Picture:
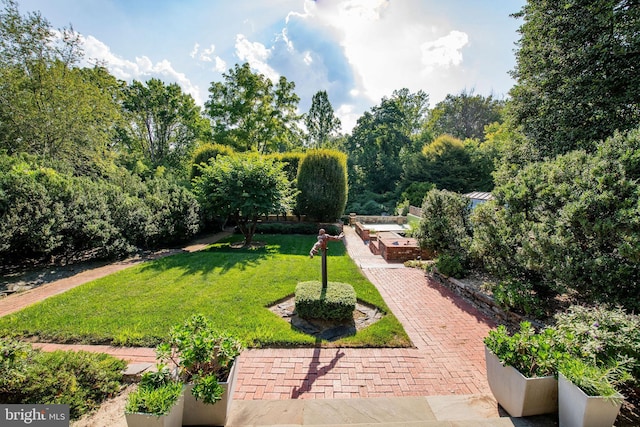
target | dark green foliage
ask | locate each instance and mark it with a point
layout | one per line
(322, 181)
(295, 228)
(415, 192)
(577, 73)
(445, 227)
(336, 302)
(519, 296)
(80, 379)
(382, 138)
(73, 217)
(206, 152)
(570, 224)
(452, 164)
(368, 203)
(464, 116)
(451, 265)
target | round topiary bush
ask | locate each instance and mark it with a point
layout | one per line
(336, 302)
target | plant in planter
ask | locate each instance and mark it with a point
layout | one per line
(588, 394)
(521, 369)
(205, 361)
(158, 401)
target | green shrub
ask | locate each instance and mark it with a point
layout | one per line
(516, 295)
(451, 265)
(206, 152)
(532, 354)
(295, 228)
(593, 379)
(322, 181)
(157, 393)
(336, 302)
(602, 334)
(80, 379)
(445, 227)
(203, 355)
(569, 224)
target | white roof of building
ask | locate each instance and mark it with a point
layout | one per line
(479, 195)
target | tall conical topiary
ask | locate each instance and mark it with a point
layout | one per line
(322, 181)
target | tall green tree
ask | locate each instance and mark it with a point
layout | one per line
(243, 187)
(577, 77)
(48, 107)
(164, 123)
(321, 121)
(381, 136)
(250, 114)
(465, 115)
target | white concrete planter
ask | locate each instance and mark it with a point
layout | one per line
(518, 395)
(197, 413)
(576, 409)
(172, 419)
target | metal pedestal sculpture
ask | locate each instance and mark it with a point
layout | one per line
(321, 246)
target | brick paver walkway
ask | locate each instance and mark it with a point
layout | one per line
(447, 357)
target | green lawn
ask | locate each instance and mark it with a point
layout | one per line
(233, 287)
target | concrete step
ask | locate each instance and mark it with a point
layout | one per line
(430, 411)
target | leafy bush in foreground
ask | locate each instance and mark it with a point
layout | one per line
(80, 379)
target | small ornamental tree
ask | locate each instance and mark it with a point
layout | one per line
(322, 182)
(445, 225)
(445, 228)
(244, 188)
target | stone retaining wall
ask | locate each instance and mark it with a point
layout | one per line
(483, 302)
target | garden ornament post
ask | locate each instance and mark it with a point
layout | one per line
(321, 245)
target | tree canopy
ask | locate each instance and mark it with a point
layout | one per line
(243, 187)
(577, 77)
(321, 121)
(250, 114)
(465, 115)
(163, 123)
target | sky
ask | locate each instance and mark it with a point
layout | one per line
(358, 51)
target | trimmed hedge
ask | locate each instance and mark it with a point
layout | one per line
(296, 228)
(337, 303)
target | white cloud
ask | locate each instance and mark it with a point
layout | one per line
(443, 52)
(348, 117)
(389, 45)
(257, 55)
(141, 69)
(221, 65)
(194, 52)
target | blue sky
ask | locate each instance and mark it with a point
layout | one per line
(357, 50)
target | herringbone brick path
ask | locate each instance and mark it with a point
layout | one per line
(447, 333)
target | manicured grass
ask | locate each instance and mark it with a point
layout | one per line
(233, 287)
